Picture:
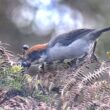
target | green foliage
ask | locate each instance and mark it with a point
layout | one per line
(10, 80)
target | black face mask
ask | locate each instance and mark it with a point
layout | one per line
(25, 64)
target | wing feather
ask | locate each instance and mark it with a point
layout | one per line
(68, 38)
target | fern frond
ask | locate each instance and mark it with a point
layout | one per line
(81, 73)
(87, 67)
(100, 74)
(68, 86)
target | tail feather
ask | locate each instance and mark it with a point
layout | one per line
(95, 34)
(104, 30)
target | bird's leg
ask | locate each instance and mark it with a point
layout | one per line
(72, 62)
(92, 55)
(42, 67)
(45, 66)
(82, 58)
(94, 47)
(78, 60)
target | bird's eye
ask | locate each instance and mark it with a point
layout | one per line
(25, 47)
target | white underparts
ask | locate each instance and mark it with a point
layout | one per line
(75, 50)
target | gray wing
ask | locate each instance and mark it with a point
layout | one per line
(68, 38)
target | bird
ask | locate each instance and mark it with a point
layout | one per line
(74, 44)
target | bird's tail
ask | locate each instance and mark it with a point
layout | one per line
(104, 30)
(97, 33)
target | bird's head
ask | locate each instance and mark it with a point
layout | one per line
(33, 53)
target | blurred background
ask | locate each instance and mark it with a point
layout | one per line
(36, 21)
